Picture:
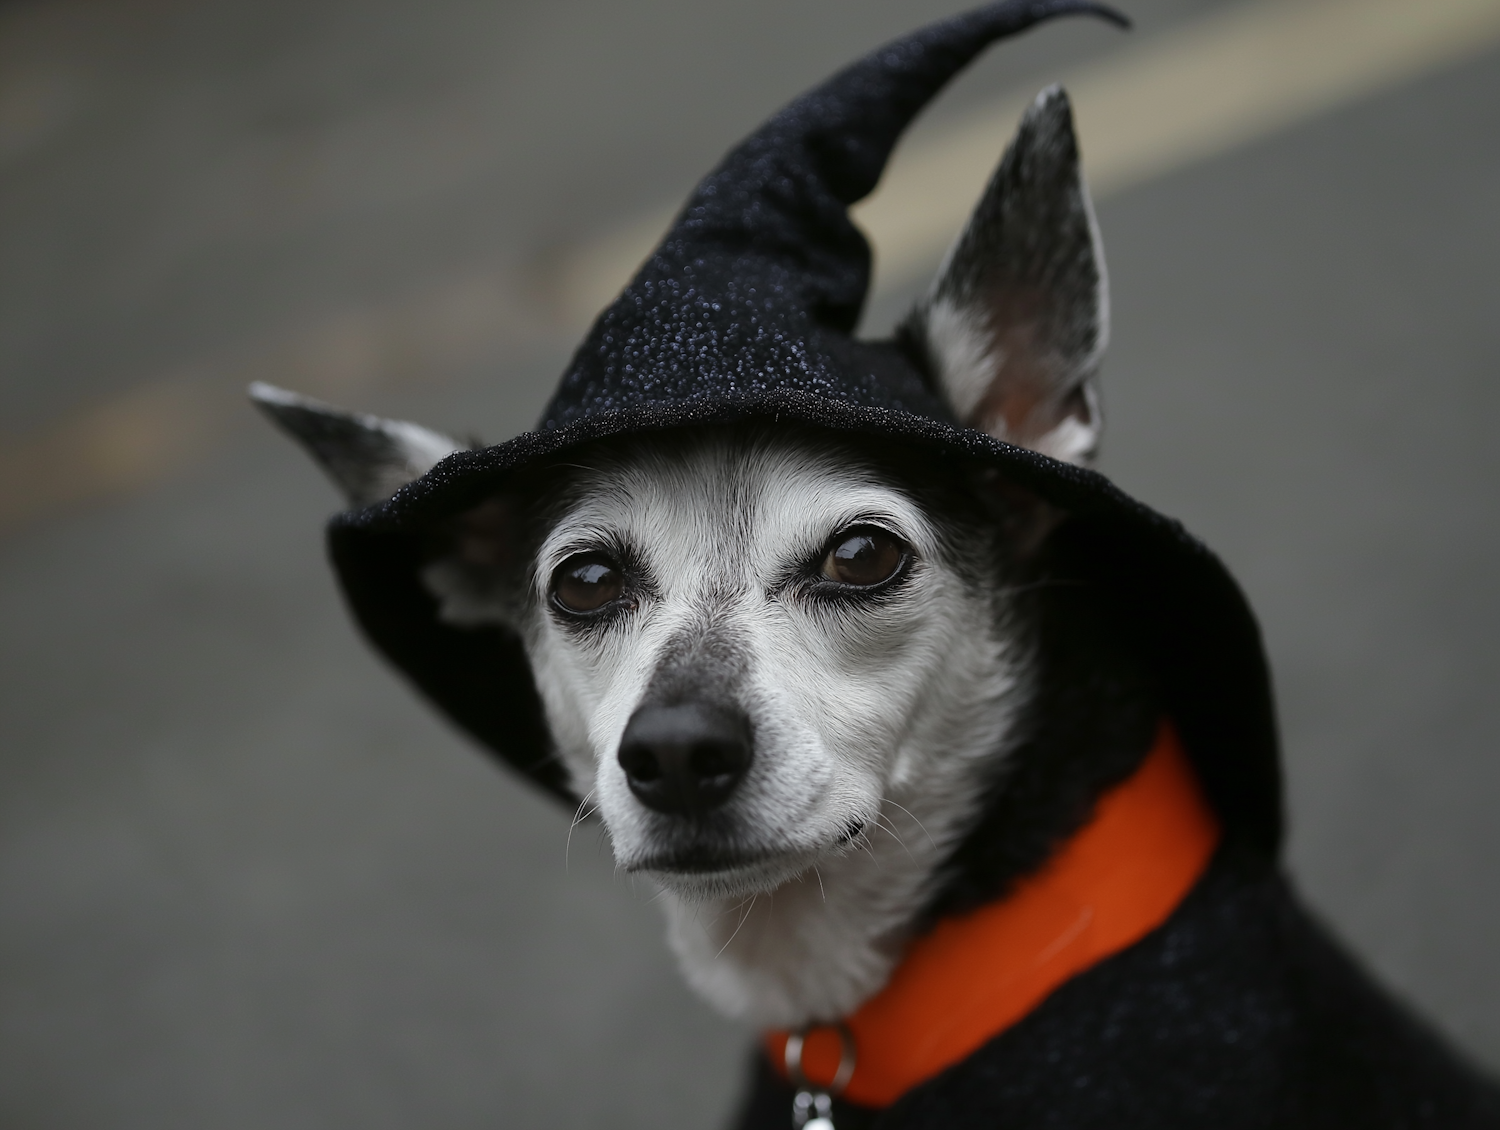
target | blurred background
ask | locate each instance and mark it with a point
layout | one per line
(247, 879)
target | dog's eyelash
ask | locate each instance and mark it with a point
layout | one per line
(639, 586)
(606, 545)
(617, 549)
(810, 584)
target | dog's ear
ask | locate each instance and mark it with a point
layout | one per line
(1018, 317)
(367, 457)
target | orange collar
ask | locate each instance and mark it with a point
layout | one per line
(975, 975)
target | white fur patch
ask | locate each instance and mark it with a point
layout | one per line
(421, 448)
(1075, 439)
(971, 362)
(966, 352)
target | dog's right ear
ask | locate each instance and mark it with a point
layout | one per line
(367, 457)
(1018, 317)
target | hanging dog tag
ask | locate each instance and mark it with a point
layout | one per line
(812, 1107)
(812, 1110)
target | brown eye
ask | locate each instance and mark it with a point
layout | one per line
(863, 558)
(586, 583)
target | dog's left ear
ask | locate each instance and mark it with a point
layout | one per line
(1018, 317)
(367, 457)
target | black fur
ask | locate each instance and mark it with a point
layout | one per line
(1094, 714)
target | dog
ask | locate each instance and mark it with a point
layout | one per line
(857, 677)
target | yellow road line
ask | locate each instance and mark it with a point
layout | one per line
(1152, 107)
(116, 446)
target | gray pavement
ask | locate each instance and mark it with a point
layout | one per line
(247, 880)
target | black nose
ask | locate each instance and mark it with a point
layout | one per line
(685, 759)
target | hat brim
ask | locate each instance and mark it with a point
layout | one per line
(1189, 614)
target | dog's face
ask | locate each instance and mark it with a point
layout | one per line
(746, 644)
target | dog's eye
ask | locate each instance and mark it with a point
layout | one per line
(863, 558)
(587, 582)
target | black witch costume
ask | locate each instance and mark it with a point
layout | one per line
(1239, 1011)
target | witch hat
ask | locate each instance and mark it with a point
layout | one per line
(746, 312)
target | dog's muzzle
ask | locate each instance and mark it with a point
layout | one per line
(685, 759)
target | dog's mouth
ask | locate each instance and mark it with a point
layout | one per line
(705, 860)
(852, 831)
(720, 867)
(708, 858)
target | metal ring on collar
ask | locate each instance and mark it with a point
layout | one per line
(847, 1059)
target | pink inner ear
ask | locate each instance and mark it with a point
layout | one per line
(1029, 394)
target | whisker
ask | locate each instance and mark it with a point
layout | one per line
(573, 466)
(730, 910)
(760, 939)
(739, 926)
(895, 835)
(578, 818)
(863, 842)
(915, 821)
